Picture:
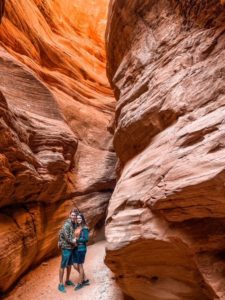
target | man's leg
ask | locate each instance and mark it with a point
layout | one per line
(64, 264)
(68, 268)
(61, 273)
(68, 271)
(68, 281)
(61, 286)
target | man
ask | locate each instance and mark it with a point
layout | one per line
(67, 243)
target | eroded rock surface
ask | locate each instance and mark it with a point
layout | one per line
(166, 218)
(37, 157)
(2, 7)
(56, 105)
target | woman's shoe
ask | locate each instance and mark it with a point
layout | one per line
(86, 282)
(61, 288)
(78, 286)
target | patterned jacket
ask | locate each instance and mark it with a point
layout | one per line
(66, 235)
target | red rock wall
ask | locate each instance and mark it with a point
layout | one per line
(56, 105)
(166, 218)
(2, 8)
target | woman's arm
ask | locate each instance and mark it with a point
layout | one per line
(84, 236)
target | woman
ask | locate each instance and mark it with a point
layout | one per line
(81, 235)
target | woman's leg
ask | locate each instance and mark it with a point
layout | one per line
(76, 267)
(83, 260)
(82, 277)
(81, 270)
(85, 278)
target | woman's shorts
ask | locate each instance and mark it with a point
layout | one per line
(67, 258)
(79, 256)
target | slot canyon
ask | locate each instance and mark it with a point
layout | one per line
(118, 108)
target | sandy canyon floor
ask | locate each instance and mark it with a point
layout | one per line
(41, 283)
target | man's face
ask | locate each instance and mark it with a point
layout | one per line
(73, 217)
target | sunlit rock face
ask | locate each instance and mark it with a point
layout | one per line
(166, 218)
(55, 107)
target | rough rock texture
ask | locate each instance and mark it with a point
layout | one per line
(36, 161)
(2, 7)
(55, 107)
(166, 218)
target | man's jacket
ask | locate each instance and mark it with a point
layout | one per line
(66, 235)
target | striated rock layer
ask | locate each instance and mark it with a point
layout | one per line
(55, 107)
(166, 218)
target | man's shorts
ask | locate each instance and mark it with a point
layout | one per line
(79, 256)
(67, 258)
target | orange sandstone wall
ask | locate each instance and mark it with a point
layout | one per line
(55, 108)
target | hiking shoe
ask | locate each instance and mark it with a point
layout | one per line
(61, 288)
(86, 282)
(79, 286)
(70, 283)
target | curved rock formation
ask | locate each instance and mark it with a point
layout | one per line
(56, 106)
(166, 218)
(37, 157)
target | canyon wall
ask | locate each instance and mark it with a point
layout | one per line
(55, 107)
(166, 219)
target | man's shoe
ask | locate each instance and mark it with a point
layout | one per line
(61, 288)
(78, 287)
(86, 282)
(70, 283)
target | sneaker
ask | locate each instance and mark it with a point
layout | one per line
(69, 282)
(79, 286)
(86, 282)
(61, 288)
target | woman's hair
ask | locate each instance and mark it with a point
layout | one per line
(83, 219)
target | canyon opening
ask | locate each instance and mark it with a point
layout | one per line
(112, 149)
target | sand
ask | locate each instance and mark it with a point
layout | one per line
(41, 283)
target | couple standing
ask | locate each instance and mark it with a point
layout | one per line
(73, 237)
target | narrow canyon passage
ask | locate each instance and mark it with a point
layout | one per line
(55, 108)
(141, 151)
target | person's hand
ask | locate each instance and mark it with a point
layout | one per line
(77, 232)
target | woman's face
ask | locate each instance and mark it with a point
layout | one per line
(79, 220)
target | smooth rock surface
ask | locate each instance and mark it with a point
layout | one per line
(165, 223)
